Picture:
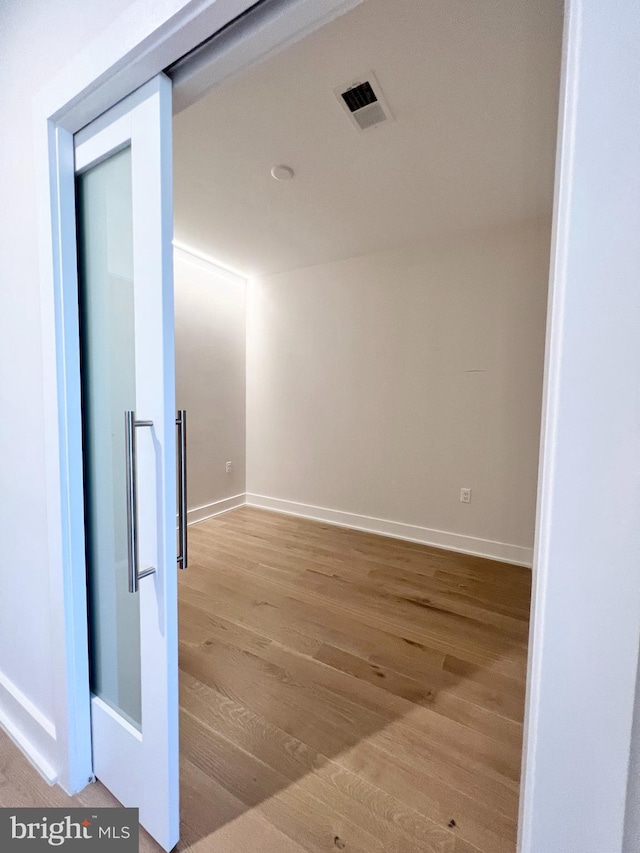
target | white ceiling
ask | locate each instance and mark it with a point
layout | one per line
(473, 86)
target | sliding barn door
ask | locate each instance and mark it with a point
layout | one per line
(124, 213)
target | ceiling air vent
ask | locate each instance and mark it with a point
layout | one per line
(364, 103)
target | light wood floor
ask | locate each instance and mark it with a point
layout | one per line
(339, 691)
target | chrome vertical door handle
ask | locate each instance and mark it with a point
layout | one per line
(181, 424)
(130, 424)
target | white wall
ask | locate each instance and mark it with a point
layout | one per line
(36, 39)
(586, 635)
(210, 380)
(380, 385)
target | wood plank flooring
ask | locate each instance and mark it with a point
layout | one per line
(341, 691)
(356, 692)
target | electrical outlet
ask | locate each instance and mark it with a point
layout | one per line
(465, 496)
(228, 467)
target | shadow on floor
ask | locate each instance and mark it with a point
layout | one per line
(341, 690)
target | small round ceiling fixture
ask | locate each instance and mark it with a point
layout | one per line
(282, 173)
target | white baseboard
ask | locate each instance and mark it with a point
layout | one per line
(217, 508)
(501, 551)
(31, 731)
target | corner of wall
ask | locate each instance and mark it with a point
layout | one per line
(502, 552)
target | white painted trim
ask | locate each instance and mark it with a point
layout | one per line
(63, 452)
(30, 730)
(501, 551)
(551, 385)
(200, 513)
(269, 30)
(140, 43)
(7, 685)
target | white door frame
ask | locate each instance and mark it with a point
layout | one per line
(142, 42)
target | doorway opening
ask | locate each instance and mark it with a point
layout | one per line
(360, 325)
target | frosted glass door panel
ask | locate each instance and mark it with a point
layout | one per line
(124, 222)
(105, 248)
